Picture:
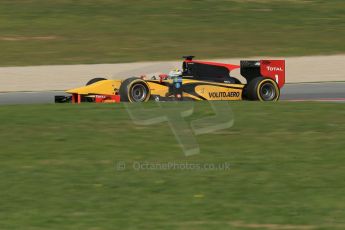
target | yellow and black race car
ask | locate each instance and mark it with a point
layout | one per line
(198, 80)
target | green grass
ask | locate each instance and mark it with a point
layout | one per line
(38, 32)
(58, 170)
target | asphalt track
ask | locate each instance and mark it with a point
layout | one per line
(330, 91)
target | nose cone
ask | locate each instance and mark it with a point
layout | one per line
(106, 87)
(82, 90)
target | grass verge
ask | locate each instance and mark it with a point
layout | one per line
(42, 32)
(59, 169)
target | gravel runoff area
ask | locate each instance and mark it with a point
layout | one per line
(61, 77)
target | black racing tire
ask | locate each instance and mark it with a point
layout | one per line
(262, 89)
(94, 80)
(134, 90)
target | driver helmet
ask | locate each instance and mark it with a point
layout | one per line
(175, 73)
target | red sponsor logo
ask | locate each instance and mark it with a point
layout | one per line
(270, 68)
(100, 96)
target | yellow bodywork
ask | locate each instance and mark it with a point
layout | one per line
(105, 87)
(220, 92)
(200, 90)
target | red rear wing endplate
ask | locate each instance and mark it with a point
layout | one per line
(274, 69)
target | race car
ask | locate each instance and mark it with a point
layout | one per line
(198, 80)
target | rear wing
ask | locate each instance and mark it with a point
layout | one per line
(274, 69)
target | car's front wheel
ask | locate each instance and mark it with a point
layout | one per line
(134, 90)
(94, 80)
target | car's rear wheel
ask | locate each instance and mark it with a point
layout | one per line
(262, 89)
(134, 90)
